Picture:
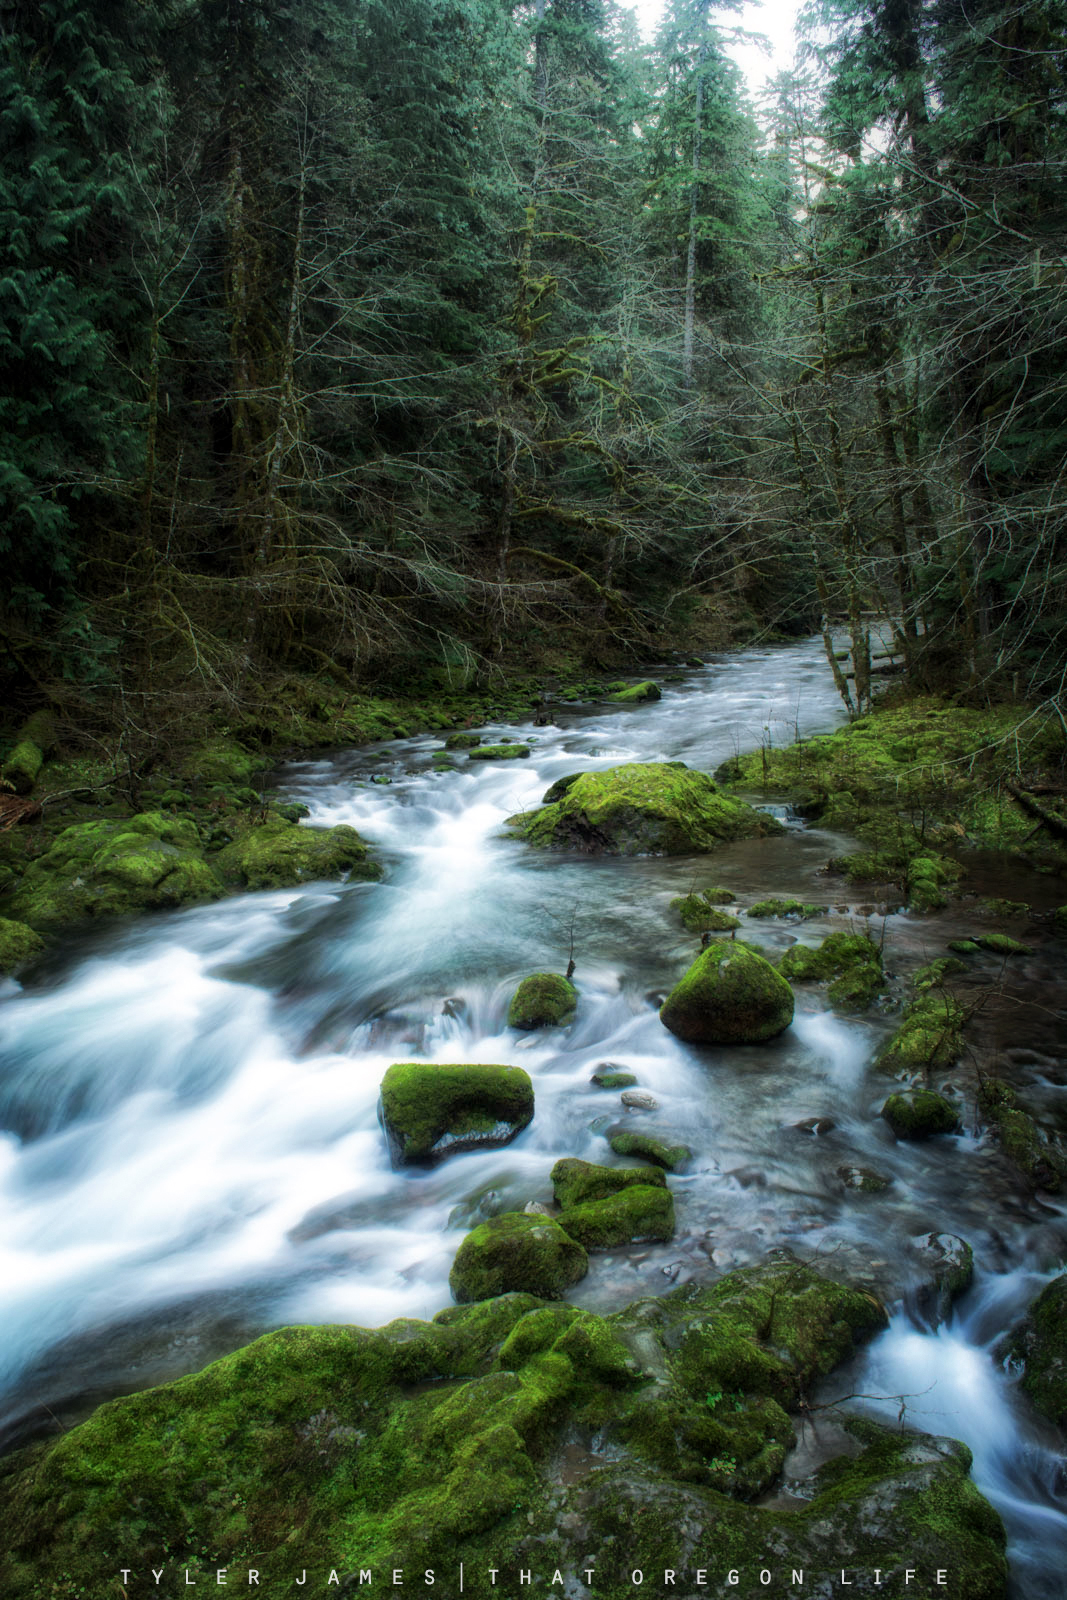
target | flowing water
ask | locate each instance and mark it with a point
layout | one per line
(189, 1144)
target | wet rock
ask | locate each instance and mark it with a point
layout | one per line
(728, 996)
(644, 809)
(280, 855)
(463, 740)
(965, 947)
(850, 962)
(1002, 945)
(1041, 1345)
(793, 909)
(609, 1075)
(920, 1114)
(701, 916)
(513, 1252)
(499, 752)
(930, 1034)
(647, 1147)
(864, 1180)
(639, 1100)
(949, 1262)
(442, 762)
(543, 1000)
(576, 1182)
(635, 1215)
(19, 946)
(816, 1126)
(635, 693)
(433, 1109)
(1041, 1164)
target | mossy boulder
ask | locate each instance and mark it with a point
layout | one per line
(634, 1215)
(423, 1444)
(611, 1079)
(543, 1000)
(792, 909)
(462, 740)
(279, 854)
(920, 1114)
(221, 759)
(636, 694)
(930, 1035)
(643, 809)
(850, 962)
(499, 752)
(700, 915)
(576, 1182)
(433, 1109)
(112, 868)
(19, 945)
(729, 996)
(1039, 1163)
(648, 1147)
(37, 736)
(1041, 1345)
(1001, 944)
(517, 1251)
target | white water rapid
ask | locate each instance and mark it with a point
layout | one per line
(189, 1144)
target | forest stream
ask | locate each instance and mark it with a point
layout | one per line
(190, 1150)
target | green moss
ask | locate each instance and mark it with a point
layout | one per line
(851, 962)
(646, 1147)
(728, 996)
(631, 1216)
(545, 999)
(517, 1251)
(865, 1180)
(462, 740)
(644, 809)
(613, 1080)
(636, 694)
(574, 1182)
(1041, 1344)
(431, 1109)
(22, 767)
(499, 752)
(278, 855)
(425, 1444)
(785, 908)
(920, 1114)
(965, 947)
(930, 1035)
(222, 760)
(1039, 1163)
(19, 945)
(700, 916)
(442, 762)
(1000, 944)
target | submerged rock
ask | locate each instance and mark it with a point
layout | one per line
(865, 1180)
(730, 995)
(434, 1109)
(517, 1251)
(430, 1443)
(949, 1263)
(543, 1000)
(644, 809)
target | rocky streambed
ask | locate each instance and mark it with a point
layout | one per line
(193, 1155)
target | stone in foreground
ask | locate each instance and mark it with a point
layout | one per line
(920, 1114)
(434, 1109)
(427, 1444)
(1041, 1344)
(635, 1215)
(659, 809)
(517, 1251)
(19, 946)
(730, 995)
(543, 1000)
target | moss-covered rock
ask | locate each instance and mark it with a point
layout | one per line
(463, 740)
(634, 1215)
(965, 947)
(1041, 1345)
(221, 759)
(864, 1180)
(728, 996)
(851, 962)
(517, 1251)
(930, 1035)
(611, 1079)
(434, 1109)
(644, 809)
(648, 1147)
(112, 868)
(1001, 944)
(543, 1000)
(499, 752)
(785, 908)
(19, 945)
(920, 1114)
(700, 915)
(948, 1262)
(575, 1182)
(636, 694)
(423, 1444)
(1040, 1163)
(279, 854)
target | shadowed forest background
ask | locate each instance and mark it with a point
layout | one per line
(407, 341)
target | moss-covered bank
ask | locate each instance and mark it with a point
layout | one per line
(423, 1444)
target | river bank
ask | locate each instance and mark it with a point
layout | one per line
(193, 1151)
